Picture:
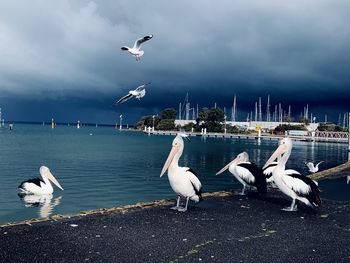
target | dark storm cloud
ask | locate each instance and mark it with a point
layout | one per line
(68, 53)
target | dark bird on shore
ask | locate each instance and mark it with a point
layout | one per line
(183, 180)
(247, 173)
(296, 186)
(135, 50)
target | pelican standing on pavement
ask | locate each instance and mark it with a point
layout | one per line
(296, 186)
(183, 180)
(39, 186)
(247, 173)
(313, 168)
(135, 50)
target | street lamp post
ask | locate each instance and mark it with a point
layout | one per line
(349, 137)
(120, 122)
(225, 123)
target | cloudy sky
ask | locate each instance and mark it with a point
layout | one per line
(63, 58)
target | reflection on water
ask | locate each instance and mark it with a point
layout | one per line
(45, 203)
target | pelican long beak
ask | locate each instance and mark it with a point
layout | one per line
(234, 161)
(277, 154)
(172, 153)
(49, 176)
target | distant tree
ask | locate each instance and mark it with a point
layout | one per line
(213, 119)
(286, 127)
(304, 120)
(287, 119)
(147, 121)
(329, 127)
(188, 127)
(203, 114)
(166, 125)
(234, 129)
(168, 114)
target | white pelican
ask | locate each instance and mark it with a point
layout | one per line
(247, 173)
(135, 50)
(296, 186)
(269, 169)
(312, 167)
(138, 93)
(183, 180)
(39, 186)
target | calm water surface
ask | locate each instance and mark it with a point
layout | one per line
(103, 167)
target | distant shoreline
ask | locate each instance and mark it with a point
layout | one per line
(250, 136)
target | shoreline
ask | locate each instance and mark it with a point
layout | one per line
(332, 173)
(263, 136)
(102, 211)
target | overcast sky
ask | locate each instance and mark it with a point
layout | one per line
(62, 59)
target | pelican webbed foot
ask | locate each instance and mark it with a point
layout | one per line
(292, 208)
(177, 207)
(184, 209)
(289, 209)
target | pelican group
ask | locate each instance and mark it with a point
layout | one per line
(295, 186)
(40, 186)
(247, 173)
(183, 180)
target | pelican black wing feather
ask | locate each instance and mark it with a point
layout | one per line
(314, 195)
(260, 180)
(269, 166)
(36, 181)
(197, 191)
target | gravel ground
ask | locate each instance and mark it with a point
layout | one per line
(229, 228)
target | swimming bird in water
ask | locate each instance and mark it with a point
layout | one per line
(247, 173)
(138, 93)
(135, 50)
(312, 167)
(39, 186)
(296, 186)
(183, 180)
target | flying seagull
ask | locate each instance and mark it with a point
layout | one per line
(135, 50)
(138, 93)
(313, 168)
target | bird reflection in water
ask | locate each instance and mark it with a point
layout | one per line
(45, 203)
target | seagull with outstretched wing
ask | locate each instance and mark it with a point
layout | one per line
(135, 50)
(138, 93)
(313, 168)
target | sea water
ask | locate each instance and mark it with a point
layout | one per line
(101, 167)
